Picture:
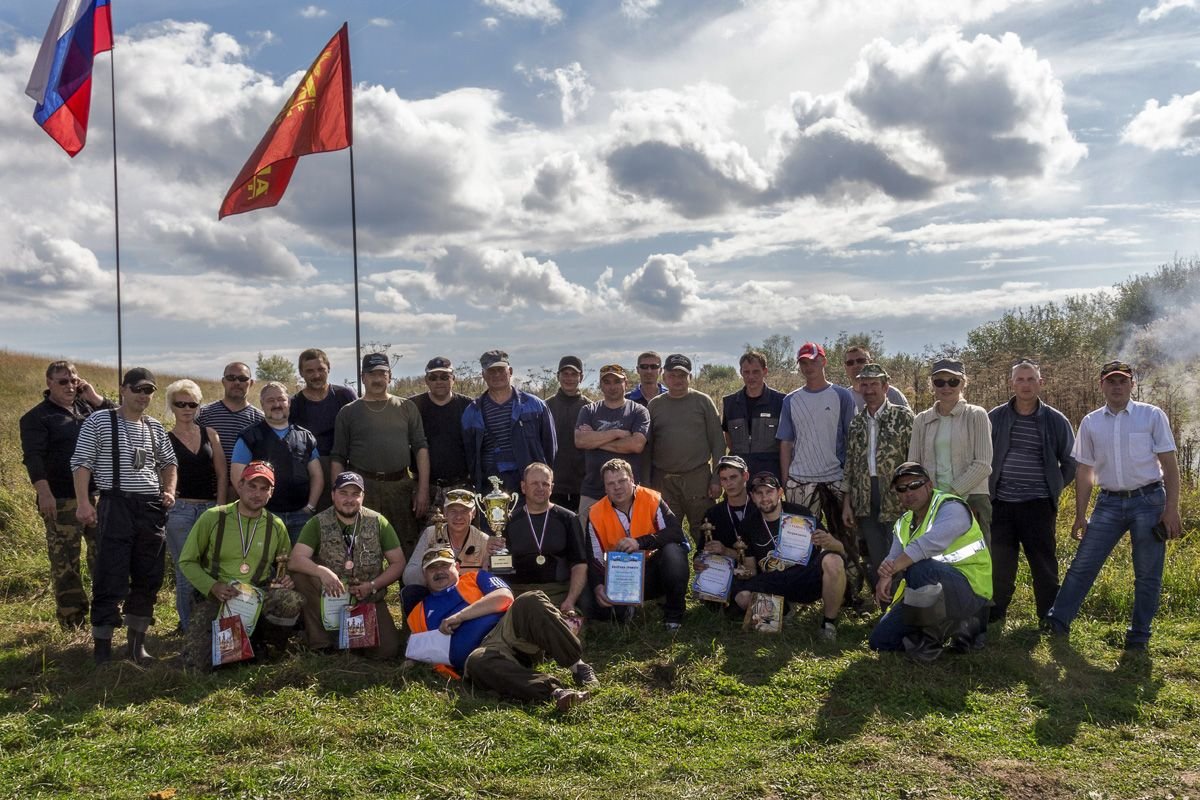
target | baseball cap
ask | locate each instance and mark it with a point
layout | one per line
(259, 469)
(1113, 367)
(871, 371)
(438, 364)
(677, 361)
(949, 365)
(732, 461)
(137, 376)
(348, 479)
(459, 497)
(570, 362)
(613, 369)
(910, 468)
(764, 479)
(494, 358)
(809, 351)
(437, 555)
(374, 361)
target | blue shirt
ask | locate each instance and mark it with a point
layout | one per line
(466, 637)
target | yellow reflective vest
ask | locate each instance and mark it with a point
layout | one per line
(968, 553)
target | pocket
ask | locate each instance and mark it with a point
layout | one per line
(1140, 443)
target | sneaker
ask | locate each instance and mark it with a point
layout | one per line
(827, 632)
(673, 627)
(584, 675)
(565, 699)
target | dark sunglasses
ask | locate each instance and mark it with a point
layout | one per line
(143, 389)
(437, 376)
(850, 362)
(185, 404)
(649, 366)
(237, 378)
(67, 381)
(905, 488)
(951, 382)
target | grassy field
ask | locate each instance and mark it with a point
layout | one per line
(712, 713)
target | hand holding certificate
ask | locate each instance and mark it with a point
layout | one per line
(331, 610)
(714, 581)
(247, 604)
(624, 578)
(795, 539)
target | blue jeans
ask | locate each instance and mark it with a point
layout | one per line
(180, 519)
(294, 521)
(1110, 519)
(961, 602)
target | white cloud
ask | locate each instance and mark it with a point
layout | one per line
(664, 287)
(1010, 234)
(639, 10)
(490, 23)
(506, 279)
(1163, 8)
(544, 10)
(380, 22)
(313, 12)
(571, 81)
(1175, 126)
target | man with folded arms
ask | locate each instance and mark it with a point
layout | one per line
(611, 427)
(239, 543)
(378, 436)
(822, 578)
(343, 549)
(633, 519)
(494, 639)
(1127, 448)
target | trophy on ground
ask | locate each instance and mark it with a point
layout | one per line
(496, 507)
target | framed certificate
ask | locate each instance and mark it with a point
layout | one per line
(795, 539)
(714, 582)
(625, 578)
(331, 610)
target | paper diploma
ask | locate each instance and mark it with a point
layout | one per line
(247, 605)
(716, 579)
(624, 578)
(331, 610)
(795, 539)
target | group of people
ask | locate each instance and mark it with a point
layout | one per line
(323, 494)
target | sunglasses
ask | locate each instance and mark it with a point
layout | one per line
(649, 366)
(185, 404)
(942, 382)
(143, 389)
(461, 496)
(905, 488)
(850, 362)
(237, 378)
(437, 376)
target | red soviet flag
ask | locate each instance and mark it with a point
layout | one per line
(317, 118)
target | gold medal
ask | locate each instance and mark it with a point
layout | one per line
(349, 564)
(244, 568)
(541, 560)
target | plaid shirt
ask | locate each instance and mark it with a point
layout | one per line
(895, 424)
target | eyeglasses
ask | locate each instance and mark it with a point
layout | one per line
(943, 382)
(184, 404)
(237, 378)
(437, 376)
(649, 366)
(905, 488)
(143, 389)
(850, 362)
(461, 496)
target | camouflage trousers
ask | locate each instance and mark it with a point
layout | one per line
(281, 609)
(63, 536)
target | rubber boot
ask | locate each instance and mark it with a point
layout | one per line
(101, 651)
(135, 648)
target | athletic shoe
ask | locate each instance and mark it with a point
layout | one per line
(584, 675)
(827, 632)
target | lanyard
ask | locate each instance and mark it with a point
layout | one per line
(350, 539)
(246, 543)
(538, 540)
(734, 519)
(767, 527)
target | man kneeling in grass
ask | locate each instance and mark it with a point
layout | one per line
(237, 545)
(469, 625)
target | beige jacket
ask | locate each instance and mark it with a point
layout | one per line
(970, 446)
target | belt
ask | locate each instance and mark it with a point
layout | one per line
(146, 498)
(1149, 488)
(465, 480)
(382, 476)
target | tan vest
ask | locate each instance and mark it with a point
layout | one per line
(367, 554)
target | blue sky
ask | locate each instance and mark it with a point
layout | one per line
(604, 177)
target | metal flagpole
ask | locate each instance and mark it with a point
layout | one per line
(116, 207)
(354, 239)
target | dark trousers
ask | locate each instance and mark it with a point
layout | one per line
(531, 630)
(666, 577)
(1027, 526)
(129, 562)
(961, 603)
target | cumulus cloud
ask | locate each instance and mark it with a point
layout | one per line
(571, 81)
(506, 279)
(1163, 8)
(543, 10)
(313, 12)
(1174, 126)
(664, 287)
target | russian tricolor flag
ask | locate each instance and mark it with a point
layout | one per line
(61, 82)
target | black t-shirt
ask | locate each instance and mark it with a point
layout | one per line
(726, 519)
(760, 535)
(562, 545)
(318, 418)
(443, 432)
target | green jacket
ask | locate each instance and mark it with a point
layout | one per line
(891, 450)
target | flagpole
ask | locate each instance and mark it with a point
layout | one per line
(116, 207)
(354, 240)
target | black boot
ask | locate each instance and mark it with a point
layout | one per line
(101, 651)
(135, 648)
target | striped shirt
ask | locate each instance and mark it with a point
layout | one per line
(93, 449)
(497, 436)
(1023, 474)
(228, 424)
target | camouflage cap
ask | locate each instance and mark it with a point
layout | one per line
(872, 372)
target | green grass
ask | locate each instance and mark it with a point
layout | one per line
(712, 713)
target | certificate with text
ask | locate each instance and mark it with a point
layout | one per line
(625, 578)
(247, 604)
(715, 580)
(795, 539)
(331, 610)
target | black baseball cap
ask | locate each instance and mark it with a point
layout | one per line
(764, 478)
(737, 462)
(494, 358)
(677, 361)
(570, 362)
(137, 376)
(438, 364)
(910, 468)
(374, 361)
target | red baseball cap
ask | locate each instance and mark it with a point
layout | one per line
(810, 350)
(259, 469)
